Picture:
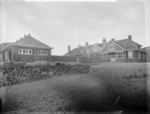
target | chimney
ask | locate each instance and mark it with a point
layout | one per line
(86, 44)
(69, 49)
(79, 46)
(130, 37)
(25, 35)
(104, 41)
(29, 34)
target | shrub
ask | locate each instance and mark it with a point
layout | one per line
(14, 73)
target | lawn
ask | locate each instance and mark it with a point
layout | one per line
(107, 88)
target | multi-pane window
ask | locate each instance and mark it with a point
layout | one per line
(25, 51)
(42, 52)
(119, 55)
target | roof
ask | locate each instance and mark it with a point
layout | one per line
(127, 44)
(146, 49)
(4, 45)
(77, 51)
(27, 41)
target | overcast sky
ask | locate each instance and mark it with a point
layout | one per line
(61, 24)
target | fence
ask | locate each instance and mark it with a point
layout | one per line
(55, 58)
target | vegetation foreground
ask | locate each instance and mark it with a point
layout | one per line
(119, 87)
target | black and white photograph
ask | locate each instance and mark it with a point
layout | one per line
(74, 56)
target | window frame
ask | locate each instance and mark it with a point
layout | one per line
(25, 51)
(119, 55)
(42, 52)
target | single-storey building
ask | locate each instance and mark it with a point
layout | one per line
(27, 49)
(147, 50)
(125, 50)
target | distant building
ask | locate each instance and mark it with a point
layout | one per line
(27, 49)
(147, 50)
(125, 50)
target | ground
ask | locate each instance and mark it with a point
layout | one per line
(118, 87)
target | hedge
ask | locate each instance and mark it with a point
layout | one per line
(15, 73)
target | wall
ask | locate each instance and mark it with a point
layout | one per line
(55, 58)
(148, 54)
(29, 58)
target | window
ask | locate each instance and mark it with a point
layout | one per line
(25, 51)
(119, 55)
(42, 52)
(130, 54)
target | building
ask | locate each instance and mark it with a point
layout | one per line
(125, 50)
(27, 49)
(147, 50)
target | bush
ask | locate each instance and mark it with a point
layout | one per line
(14, 73)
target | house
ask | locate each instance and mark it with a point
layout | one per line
(27, 49)
(125, 50)
(147, 50)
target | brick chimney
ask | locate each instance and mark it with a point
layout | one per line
(25, 35)
(113, 39)
(79, 46)
(104, 41)
(130, 37)
(86, 43)
(69, 49)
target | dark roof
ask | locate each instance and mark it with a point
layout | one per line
(4, 45)
(146, 49)
(29, 41)
(128, 44)
(77, 51)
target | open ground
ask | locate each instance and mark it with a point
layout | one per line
(111, 87)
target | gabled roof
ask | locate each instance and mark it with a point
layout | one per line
(146, 49)
(128, 44)
(27, 41)
(125, 44)
(4, 45)
(77, 51)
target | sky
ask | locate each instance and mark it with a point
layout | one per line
(59, 24)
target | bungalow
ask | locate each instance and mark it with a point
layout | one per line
(125, 50)
(27, 49)
(147, 50)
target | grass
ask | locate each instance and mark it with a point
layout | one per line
(97, 91)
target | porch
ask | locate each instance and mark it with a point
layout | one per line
(115, 56)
